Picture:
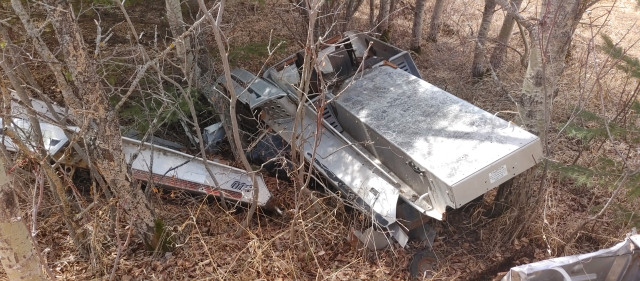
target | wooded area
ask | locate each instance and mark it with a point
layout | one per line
(566, 71)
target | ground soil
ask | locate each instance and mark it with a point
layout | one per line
(470, 245)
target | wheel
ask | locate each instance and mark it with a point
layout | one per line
(422, 264)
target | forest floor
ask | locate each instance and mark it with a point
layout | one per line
(468, 246)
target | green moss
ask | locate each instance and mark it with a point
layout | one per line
(161, 240)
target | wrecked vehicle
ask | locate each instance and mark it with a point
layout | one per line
(620, 263)
(400, 148)
(151, 162)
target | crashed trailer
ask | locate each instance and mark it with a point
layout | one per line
(396, 145)
(150, 162)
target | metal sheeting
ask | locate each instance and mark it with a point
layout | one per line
(152, 163)
(432, 139)
(618, 263)
(346, 169)
(174, 169)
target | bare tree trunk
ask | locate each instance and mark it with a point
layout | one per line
(416, 30)
(46, 55)
(393, 6)
(18, 254)
(183, 48)
(551, 39)
(102, 136)
(351, 7)
(434, 25)
(479, 68)
(383, 20)
(18, 62)
(372, 18)
(502, 41)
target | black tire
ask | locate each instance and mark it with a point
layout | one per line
(423, 264)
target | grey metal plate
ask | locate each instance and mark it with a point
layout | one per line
(618, 263)
(338, 162)
(449, 137)
(252, 90)
(179, 170)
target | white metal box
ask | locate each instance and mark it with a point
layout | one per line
(440, 145)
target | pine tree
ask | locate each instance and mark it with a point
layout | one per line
(591, 128)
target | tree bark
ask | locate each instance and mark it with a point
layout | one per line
(434, 25)
(550, 40)
(383, 20)
(479, 68)
(46, 55)
(372, 18)
(183, 47)
(351, 7)
(499, 51)
(103, 130)
(550, 37)
(19, 64)
(18, 254)
(416, 30)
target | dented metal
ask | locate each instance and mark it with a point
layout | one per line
(618, 263)
(150, 162)
(383, 136)
(169, 168)
(396, 146)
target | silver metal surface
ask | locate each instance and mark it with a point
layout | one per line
(361, 182)
(618, 263)
(213, 136)
(152, 163)
(175, 169)
(250, 90)
(435, 142)
(54, 137)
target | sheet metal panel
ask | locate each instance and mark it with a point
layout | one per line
(335, 159)
(251, 90)
(175, 169)
(432, 139)
(618, 263)
(163, 166)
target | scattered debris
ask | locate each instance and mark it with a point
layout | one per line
(620, 263)
(386, 138)
(394, 145)
(213, 136)
(372, 239)
(152, 162)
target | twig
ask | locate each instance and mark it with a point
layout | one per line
(232, 107)
(38, 186)
(120, 247)
(574, 235)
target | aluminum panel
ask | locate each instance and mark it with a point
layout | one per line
(252, 90)
(338, 162)
(179, 170)
(434, 134)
